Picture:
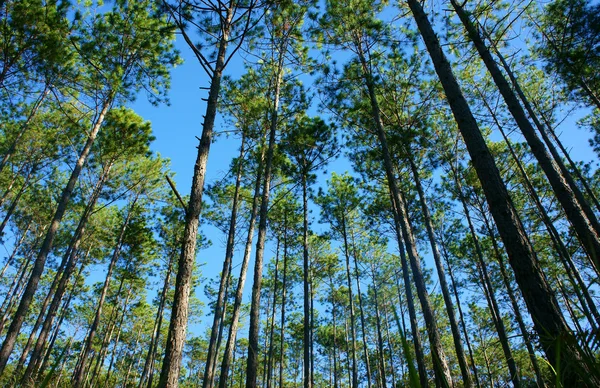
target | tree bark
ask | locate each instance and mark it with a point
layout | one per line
(169, 375)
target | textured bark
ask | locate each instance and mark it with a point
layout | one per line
(211, 355)
(272, 329)
(460, 353)
(381, 351)
(541, 301)
(169, 375)
(40, 261)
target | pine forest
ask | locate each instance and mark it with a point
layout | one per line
(399, 194)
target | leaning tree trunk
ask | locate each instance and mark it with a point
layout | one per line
(539, 297)
(235, 315)
(68, 264)
(148, 372)
(40, 261)
(169, 375)
(488, 289)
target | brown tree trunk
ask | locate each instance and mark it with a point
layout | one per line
(541, 302)
(169, 375)
(305, 285)
(283, 295)
(350, 304)
(148, 372)
(40, 261)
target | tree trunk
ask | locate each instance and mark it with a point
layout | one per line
(442, 371)
(169, 375)
(460, 314)
(541, 302)
(272, 329)
(40, 261)
(230, 345)
(283, 295)
(379, 331)
(15, 201)
(460, 353)
(148, 372)
(307, 341)
(361, 310)
(68, 264)
(252, 360)
(211, 355)
(350, 303)
(489, 290)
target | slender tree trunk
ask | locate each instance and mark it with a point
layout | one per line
(169, 375)
(272, 329)
(350, 304)
(540, 299)
(361, 311)
(148, 371)
(460, 353)
(461, 315)
(211, 355)
(230, 345)
(78, 375)
(379, 331)
(252, 360)
(283, 295)
(572, 201)
(68, 264)
(559, 246)
(333, 317)
(489, 290)
(543, 131)
(117, 338)
(514, 303)
(40, 261)
(15, 290)
(307, 341)
(440, 364)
